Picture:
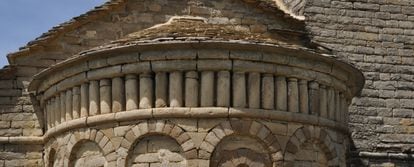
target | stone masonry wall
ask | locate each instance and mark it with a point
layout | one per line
(378, 37)
(196, 142)
(18, 117)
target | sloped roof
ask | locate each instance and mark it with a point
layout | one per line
(198, 29)
(267, 5)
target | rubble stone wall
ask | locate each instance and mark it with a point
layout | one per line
(378, 37)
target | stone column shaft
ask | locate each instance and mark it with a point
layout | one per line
(145, 90)
(346, 115)
(253, 93)
(118, 94)
(239, 90)
(69, 104)
(303, 97)
(131, 92)
(293, 94)
(223, 89)
(57, 110)
(268, 92)
(176, 89)
(84, 95)
(314, 98)
(94, 98)
(105, 96)
(207, 89)
(48, 114)
(161, 89)
(337, 106)
(323, 101)
(331, 103)
(76, 102)
(62, 107)
(281, 94)
(191, 89)
(343, 108)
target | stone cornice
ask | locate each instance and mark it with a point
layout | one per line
(22, 140)
(293, 56)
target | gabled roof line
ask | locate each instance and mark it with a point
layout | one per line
(55, 31)
(39, 42)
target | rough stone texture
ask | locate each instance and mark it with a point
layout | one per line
(149, 134)
(376, 36)
(167, 143)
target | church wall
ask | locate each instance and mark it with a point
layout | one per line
(19, 117)
(377, 36)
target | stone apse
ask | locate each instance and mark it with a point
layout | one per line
(196, 99)
(194, 91)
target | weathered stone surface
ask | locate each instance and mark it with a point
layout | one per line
(191, 89)
(207, 89)
(177, 90)
(105, 95)
(131, 92)
(161, 89)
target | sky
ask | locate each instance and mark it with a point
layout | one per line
(24, 20)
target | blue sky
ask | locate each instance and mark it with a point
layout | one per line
(23, 20)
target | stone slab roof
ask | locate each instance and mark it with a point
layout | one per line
(197, 28)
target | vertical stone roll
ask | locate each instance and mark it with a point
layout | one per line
(323, 101)
(94, 98)
(223, 89)
(191, 89)
(161, 89)
(303, 97)
(342, 111)
(293, 94)
(57, 110)
(131, 92)
(337, 106)
(76, 102)
(105, 96)
(239, 90)
(48, 114)
(253, 87)
(281, 93)
(314, 98)
(84, 95)
(268, 89)
(62, 107)
(207, 89)
(118, 92)
(69, 104)
(345, 111)
(331, 103)
(145, 91)
(176, 89)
